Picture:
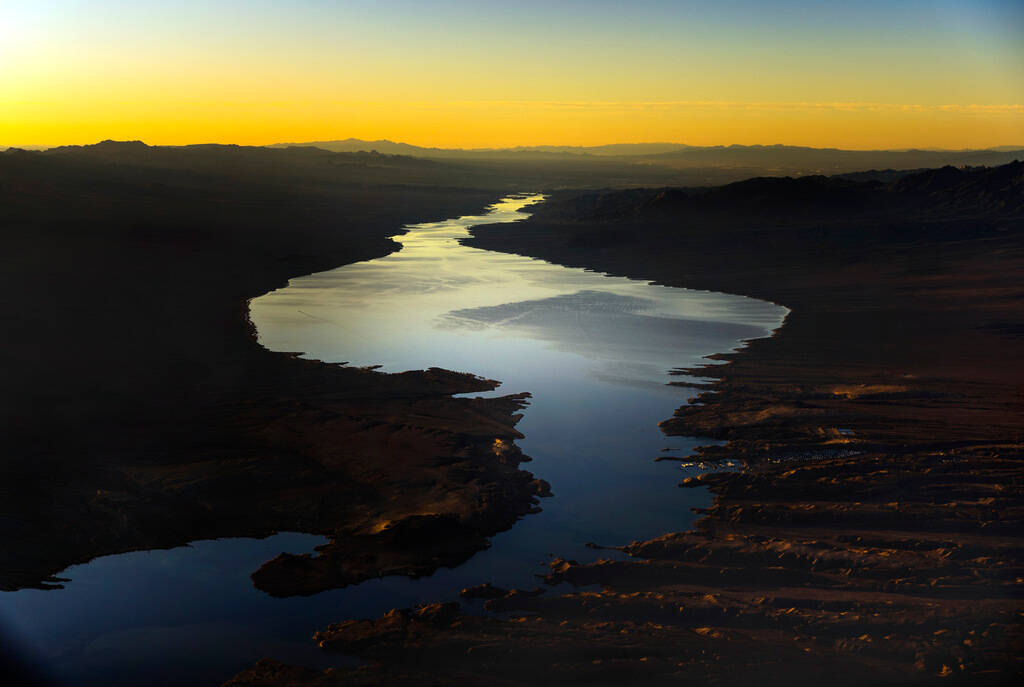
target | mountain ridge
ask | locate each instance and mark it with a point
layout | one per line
(762, 159)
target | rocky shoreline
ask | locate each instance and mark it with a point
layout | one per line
(873, 535)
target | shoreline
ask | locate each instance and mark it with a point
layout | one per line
(194, 430)
(889, 555)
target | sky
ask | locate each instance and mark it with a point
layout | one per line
(477, 73)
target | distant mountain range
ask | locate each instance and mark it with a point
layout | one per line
(25, 147)
(616, 165)
(350, 145)
(758, 159)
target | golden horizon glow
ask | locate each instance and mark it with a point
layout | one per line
(945, 74)
(852, 126)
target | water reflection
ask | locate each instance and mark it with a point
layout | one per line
(593, 350)
(439, 303)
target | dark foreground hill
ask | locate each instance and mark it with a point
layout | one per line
(138, 410)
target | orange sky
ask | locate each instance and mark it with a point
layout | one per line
(923, 74)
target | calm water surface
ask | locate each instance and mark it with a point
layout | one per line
(593, 350)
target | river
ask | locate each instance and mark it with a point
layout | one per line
(593, 350)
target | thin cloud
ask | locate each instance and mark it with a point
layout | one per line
(729, 105)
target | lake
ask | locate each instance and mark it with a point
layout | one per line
(593, 350)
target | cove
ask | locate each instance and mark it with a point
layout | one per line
(593, 350)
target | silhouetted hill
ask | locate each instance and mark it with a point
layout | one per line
(755, 160)
(235, 159)
(355, 145)
(990, 191)
(799, 159)
(611, 149)
(386, 146)
(997, 191)
(309, 168)
(703, 165)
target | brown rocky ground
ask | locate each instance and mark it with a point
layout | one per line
(874, 533)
